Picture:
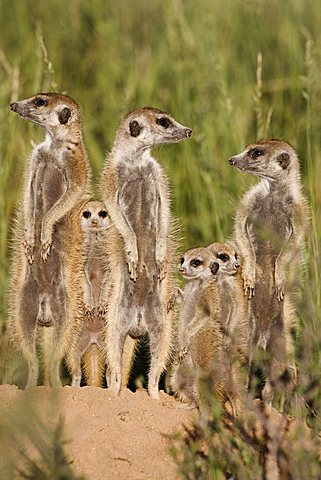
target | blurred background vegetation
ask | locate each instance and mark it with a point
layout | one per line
(232, 70)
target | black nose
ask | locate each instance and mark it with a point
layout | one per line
(182, 270)
(13, 106)
(188, 132)
(232, 161)
(236, 266)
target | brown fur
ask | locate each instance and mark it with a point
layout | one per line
(88, 343)
(213, 330)
(46, 255)
(141, 250)
(270, 226)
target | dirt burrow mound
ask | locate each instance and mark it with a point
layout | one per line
(123, 437)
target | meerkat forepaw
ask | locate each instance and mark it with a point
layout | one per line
(45, 249)
(182, 353)
(279, 285)
(248, 286)
(102, 310)
(161, 271)
(29, 251)
(132, 269)
(89, 310)
(279, 290)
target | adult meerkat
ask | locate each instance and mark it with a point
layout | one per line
(206, 327)
(89, 344)
(269, 232)
(46, 252)
(135, 190)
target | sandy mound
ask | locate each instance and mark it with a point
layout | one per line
(120, 438)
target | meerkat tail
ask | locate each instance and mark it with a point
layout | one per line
(93, 366)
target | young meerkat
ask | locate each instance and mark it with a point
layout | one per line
(206, 325)
(269, 231)
(89, 344)
(235, 307)
(46, 254)
(135, 189)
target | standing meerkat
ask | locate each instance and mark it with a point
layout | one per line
(270, 225)
(89, 343)
(45, 250)
(135, 191)
(206, 326)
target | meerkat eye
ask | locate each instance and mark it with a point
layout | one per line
(256, 152)
(86, 214)
(196, 263)
(40, 102)
(235, 256)
(182, 260)
(163, 122)
(223, 256)
(102, 214)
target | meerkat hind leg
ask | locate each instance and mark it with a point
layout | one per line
(30, 355)
(159, 341)
(25, 329)
(127, 359)
(282, 372)
(115, 345)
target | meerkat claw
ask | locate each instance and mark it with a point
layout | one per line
(182, 353)
(29, 249)
(102, 310)
(45, 250)
(161, 271)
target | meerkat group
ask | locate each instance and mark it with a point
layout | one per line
(91, 278)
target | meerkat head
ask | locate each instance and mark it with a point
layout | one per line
(53, 111)
(198, 263)
(94, 217)
(272, 160)
(226, 257)
(145, 127)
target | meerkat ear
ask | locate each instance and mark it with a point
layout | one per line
(134, 128)
(284, 160)
(64, 115)
(214, 268)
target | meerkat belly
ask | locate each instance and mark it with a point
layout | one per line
(96, 276)
(139, 203)
(49, 186)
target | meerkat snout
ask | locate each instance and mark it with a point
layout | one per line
(13, 106)
(188, 132)
(232, 161)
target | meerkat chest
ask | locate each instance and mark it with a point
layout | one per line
(139, 196)
(49, 178)
(192, 295)
(271, 217)
(95, 263)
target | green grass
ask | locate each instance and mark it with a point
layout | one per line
(232, 70)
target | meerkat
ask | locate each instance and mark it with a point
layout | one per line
(135, 190)
(235, 311)
(46, 253)
(89, 343)
(206, 325)
(269, 231)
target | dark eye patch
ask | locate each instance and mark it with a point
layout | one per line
(235, 255)
(86, 214)
(223, 256)
(102, 214)
(196, 263)
(40, 102)
(163, 122)
(256, 152)
(182, 260)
